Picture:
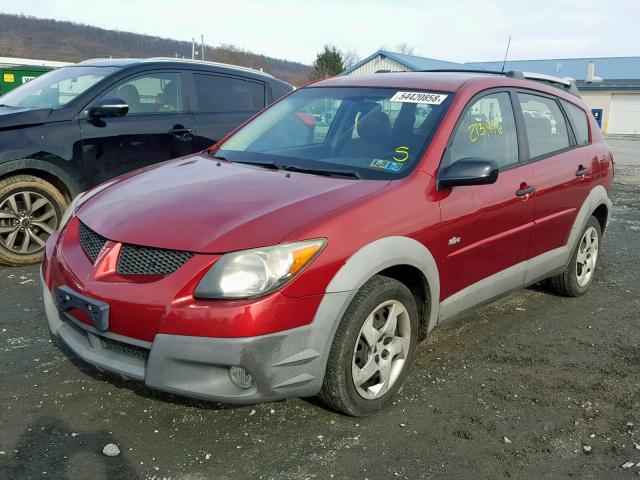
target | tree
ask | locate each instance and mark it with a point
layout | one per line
(405, 49)
(328, 63)
(350, 58)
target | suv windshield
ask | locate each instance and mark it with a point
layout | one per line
(373, 133)
(56, 88)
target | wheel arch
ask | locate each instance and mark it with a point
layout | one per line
(403, 259)
(412, 278)
(59, 178)
(602, 215)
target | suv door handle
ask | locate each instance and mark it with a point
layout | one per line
(582, 171)
(179, 131)
(525, 191)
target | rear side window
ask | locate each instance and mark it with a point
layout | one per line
(216, 93)
(545, 125)
(487, 130)
(579, 121)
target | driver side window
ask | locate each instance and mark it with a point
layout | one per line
(151, 93)
(488, 131)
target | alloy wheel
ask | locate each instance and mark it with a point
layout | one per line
(381, 349)
(27, 219)
(587, 256)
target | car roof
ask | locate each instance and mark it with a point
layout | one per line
(440, 81)
(171, 62)
(450, 82)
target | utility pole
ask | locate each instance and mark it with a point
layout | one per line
(202, 42)
(193, 48)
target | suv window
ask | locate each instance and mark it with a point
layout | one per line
(216, 93)
(487, 130)
(151, 93)
(579, 121)
(56, 88)
(545, 124)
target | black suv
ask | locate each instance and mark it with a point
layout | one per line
(80, 125)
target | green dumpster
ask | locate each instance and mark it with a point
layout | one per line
(14, 76)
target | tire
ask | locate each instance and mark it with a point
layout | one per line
(578, 276)
(391, 354)
(30, 211)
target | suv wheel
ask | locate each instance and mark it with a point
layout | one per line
(372, 349)
(577, 278)
(30, 211)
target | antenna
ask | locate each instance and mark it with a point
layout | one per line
(505, 55)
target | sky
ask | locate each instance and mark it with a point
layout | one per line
(456, 30)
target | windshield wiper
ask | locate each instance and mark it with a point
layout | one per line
(266, 164)
(323, 171)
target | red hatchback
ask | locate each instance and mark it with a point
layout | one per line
(309, 251)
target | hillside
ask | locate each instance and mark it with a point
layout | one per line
(31, 37)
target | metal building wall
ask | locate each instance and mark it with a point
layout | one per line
(379, 63)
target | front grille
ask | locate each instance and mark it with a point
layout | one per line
(91, 241)
(136, 260)
(124, 348)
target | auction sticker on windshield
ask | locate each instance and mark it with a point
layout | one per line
(418, 97)
(386, 165)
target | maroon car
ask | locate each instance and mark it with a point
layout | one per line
(296, 262)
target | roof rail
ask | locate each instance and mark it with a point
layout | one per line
(467, 70)
(206, 62)
(563, 83)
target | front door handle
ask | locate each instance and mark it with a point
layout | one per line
(582, 171)
(525, 191)
(180, 131)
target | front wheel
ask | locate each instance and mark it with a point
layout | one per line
(578, 276)
(372, 349)
(30, 211)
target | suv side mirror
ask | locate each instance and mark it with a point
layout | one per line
(108, 107)
(469, 171)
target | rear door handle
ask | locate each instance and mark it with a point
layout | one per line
(582, 171)
(525, 191)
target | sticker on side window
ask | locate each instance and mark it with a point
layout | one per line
(418, 97)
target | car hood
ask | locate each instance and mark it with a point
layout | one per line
(200, 205)
(17, 117)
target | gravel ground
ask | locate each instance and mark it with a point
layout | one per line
(534, 386)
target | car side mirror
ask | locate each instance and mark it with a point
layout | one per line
(108, 107)
(469, 171)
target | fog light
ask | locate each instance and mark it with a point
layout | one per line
(240, 377)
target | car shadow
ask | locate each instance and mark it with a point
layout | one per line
(48, 449)
(540, 287)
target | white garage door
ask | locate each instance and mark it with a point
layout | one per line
(625, 113)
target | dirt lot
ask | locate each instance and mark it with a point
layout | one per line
(516, 390)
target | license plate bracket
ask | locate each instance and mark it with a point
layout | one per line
(97, 311)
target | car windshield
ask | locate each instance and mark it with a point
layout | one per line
(56, 88)
(372, 133)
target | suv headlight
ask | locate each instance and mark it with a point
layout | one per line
(255, 272)
(68, 213)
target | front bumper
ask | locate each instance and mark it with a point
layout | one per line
(286, 364)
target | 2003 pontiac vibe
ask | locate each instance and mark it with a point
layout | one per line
(297, 262)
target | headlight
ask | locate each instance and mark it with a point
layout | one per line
(255, 272)
(68, 213)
